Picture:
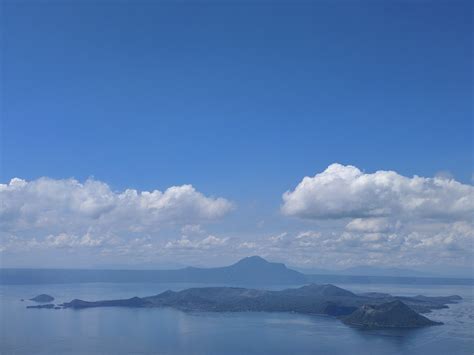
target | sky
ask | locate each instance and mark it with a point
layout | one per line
(165, 133)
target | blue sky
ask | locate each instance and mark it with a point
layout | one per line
(240, 99)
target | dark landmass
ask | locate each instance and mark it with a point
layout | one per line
(393, 314)
(248, 271)
(371, 310)
(43, 298)
(47, 306)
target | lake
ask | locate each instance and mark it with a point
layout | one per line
(168, 331)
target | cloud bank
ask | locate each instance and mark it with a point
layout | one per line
(381, 218)
(53, 207)
(345, 218)
(347, 192)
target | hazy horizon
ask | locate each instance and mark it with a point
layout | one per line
(358, 270)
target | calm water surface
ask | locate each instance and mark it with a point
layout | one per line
(168, 331)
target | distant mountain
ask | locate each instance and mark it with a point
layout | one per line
(373, 310)
(253, 269)
(250, 270)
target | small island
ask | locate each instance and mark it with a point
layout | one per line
(374, 310)
(43, 298)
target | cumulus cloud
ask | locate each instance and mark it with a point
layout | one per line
(372, 225)
(414, 245)
(192, 229)
(347, 192)
(209, 242)
(278, 237)
(67, 208)
(380, 218)
(59, 241)
(247, 245)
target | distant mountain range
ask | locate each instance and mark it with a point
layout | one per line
(252, 270)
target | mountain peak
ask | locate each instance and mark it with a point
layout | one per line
(257, 269)
(252, 260)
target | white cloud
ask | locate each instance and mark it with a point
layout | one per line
(431, 244)
(247, 245)
(212, 240)
(372, 225)
(59, 241)
(377, 219)
(209, 242)
(345, 191)
(64, 240)
(277, 238)
(61, 208)
(190, 229)
(381, 218)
